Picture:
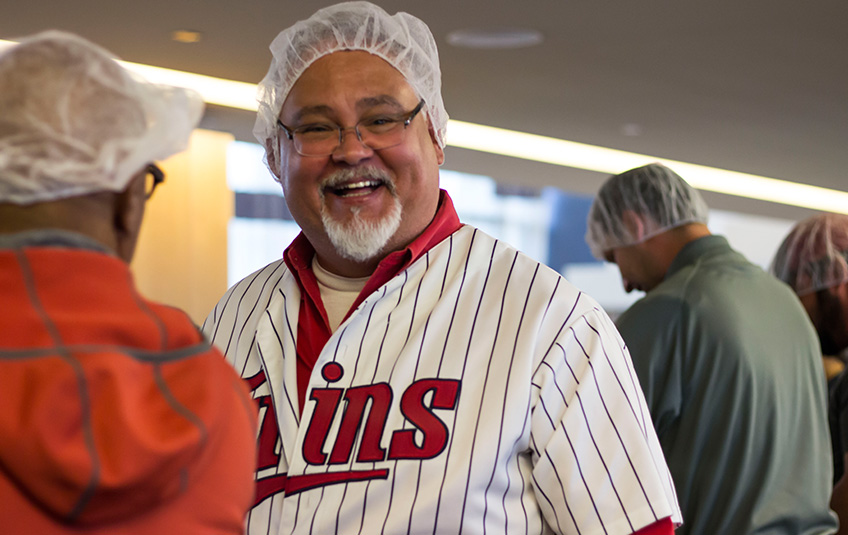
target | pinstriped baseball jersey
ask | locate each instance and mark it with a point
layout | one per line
(475, 392)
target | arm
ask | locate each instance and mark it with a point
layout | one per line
(651, 330)
(597, 462)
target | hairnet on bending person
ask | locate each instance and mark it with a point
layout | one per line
(813, 255)
(402, 40)
(74, 122)
(661, 198)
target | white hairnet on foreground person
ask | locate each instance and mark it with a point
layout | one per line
(117, 416)
(70, 131)
(655, 192)
(402, 40)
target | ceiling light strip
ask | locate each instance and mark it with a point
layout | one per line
(219, 91)
(230, 93)
(611, 161)
(544, 149)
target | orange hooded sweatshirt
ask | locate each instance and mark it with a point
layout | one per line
(116, 416)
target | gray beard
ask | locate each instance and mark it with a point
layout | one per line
(360, 240)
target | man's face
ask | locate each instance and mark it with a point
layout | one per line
(638, 266)
(826, 309)
(357, 204)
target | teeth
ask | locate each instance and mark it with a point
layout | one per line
(361, 184)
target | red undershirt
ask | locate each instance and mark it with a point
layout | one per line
(313, 327)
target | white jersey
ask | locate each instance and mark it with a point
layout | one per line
(475, 392)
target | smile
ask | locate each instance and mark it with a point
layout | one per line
(355, 189)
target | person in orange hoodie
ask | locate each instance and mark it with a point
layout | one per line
(116, 415)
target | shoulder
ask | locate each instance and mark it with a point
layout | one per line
(543, 294)
(258, 283)
(499, 254)
(661, 306)
(259, 280)
(249, 294)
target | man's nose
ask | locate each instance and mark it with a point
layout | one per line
(351, 149)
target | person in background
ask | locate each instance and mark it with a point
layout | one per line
(727, 358)
(116, 415)
(813, 260)
(417, 375)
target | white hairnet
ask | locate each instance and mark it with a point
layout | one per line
(659, 195)
(813, 255)
(403, 40)
(73, 121)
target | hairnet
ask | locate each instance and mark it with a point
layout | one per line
(813, 256)
(403, 40)
(658, 194)
(73, 121)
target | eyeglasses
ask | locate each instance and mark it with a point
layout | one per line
(153, 177)
(376, 132)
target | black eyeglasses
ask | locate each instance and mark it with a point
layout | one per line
(375, 131)
(153, 177)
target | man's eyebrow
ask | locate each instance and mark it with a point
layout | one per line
(370, 102)
(312, 110)
(362, 104)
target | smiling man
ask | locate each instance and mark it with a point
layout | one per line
(352, 206)
(416, 375)
(727, 359)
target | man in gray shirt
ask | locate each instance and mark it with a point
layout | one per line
(727, 359)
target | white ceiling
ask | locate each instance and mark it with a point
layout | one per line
(758, 86)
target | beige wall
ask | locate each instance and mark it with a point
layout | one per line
(181, 258)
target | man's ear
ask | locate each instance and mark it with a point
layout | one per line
(841, 291)
(272, 156)
(634, 224)
(440, 152)
(127, 216)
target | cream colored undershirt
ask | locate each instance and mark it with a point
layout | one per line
(337, 293)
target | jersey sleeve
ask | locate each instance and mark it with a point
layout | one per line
(598, 465)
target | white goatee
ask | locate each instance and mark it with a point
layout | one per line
(359, 239)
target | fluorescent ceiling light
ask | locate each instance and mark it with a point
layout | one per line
(611, 161)
(218, 91)
(482, 138)
(230, 93)
(495, 39)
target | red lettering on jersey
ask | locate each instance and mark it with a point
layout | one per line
(327, 401)
(267, 456)
(256, 381)
(267, 442)
(269, 486)
(357, 398)
(310, 481)
(434, 431)
(377, 400)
